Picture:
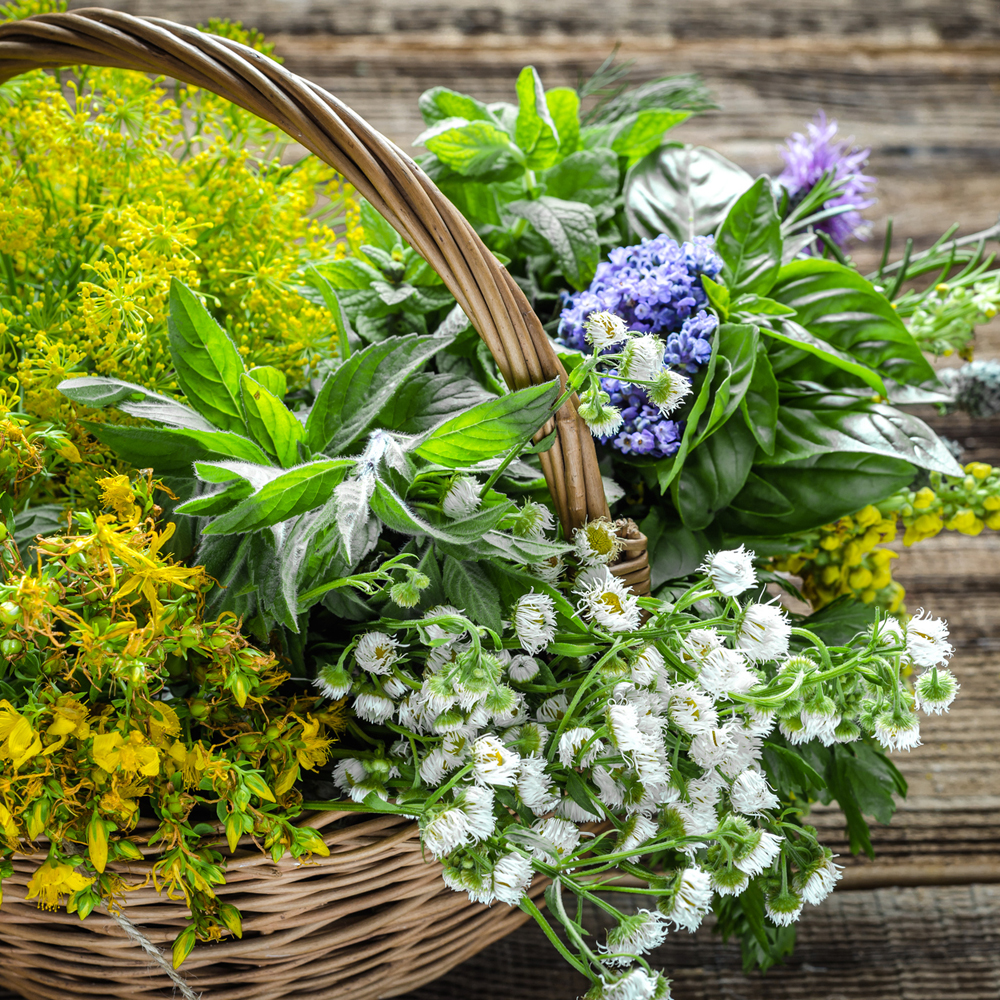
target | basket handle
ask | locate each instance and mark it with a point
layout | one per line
(378, 170)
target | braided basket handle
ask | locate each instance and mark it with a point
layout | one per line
(383, 174)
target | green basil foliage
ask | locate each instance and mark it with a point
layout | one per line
(296, 507)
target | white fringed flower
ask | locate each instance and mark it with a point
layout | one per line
(512, 875)
(446, 832)
(724, 671)
(534, 786)
(373, 708)
(636, 831)
(534, 621)
(699, 642)
(668, 391)
(609, 602)
(636, 984)
(731, 572)
(571, 743)
(597, 543)
(642, 359)
(730, 881)
(434, 767)
(533, 520)
(712, 746)
(935, 690)
(897, 730)
(820, 719)
(376, 652)
(692, 899)
(691, 710)
(647, 665)
(609, 791)
(552, 709)
(333, 682)
(433, 630)
(522, 668)
(821, 881)
(477, 804)
(602, 329)
(751, 794)
(927, 640)
(494, 763)
(462, 498)
(595, 410)
(764, 632)
(783, 908)
(561, 839)
(547, 570)
(635, 935)
(759, 852)
(350, 776)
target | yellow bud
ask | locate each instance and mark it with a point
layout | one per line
(979, 469)
(881, 579)
(830, 542)
(868, 516)
(993, 521)
(867, 596)
(861, 578)
(924, 498)
(853, 554)
(966, 522)
(831, 574)
(992, 503)
(928, 524)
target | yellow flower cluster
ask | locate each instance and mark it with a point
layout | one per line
(118, 700)
(846, 558)
(111, 184)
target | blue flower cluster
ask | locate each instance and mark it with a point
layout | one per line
(655, 287)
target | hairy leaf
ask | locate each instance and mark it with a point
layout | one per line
(467, 586)
(472, 149)
(134, 400)
(588, 175)
(427, 398)
(570, 229)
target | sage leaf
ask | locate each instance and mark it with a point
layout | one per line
(570, 229)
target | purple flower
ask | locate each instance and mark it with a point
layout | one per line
(645, 430)
(807, 159)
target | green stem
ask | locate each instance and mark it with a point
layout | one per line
(528, 905)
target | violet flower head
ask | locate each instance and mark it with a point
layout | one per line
(655, 287)
(807, 158)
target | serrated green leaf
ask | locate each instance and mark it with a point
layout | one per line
(133, 400)
(683, 191)
(428, 398)
(472, 149)
(588, 175)
(439, 103)
(294, 492)
(489, 429)
(467, 586)
(168, 451)
(534, 132)
(564, 107)
(351, 398)
(570, 229)
(271, 379)
(749, 241)
(206, 362)
(637, 134)
(273, 426)
(219, 502)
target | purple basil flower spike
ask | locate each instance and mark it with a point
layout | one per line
(808, 158)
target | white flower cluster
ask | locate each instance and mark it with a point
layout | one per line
(598, 735)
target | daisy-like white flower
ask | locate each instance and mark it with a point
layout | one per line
(751, 794)
(712, 746)
(609, 791)
(927, 640)
(889, 632)
(897, 729)
(561, 838)
(609, 603)
(512, 875)
(494, 763)
(668, 391)
(764, 632)
(692, 899)
(636, 984)
(532, 520)
(435, 766)
(692, 710)
(602, 419)
(462, 498)
(642, 359)
(351, 777)
(373, 708)
(636, 831)
(820, 719)
(534, 786)
(724, 671)
(446, 832)
(647, 665)
(333, 682)
(935, 690)
(602, 329)
(729, 881)
(477, 804)
(434, 630)
(552, 709)
(816, 884)
(535, 621)
(731, 572)
(532, 738)
(699, 642)
(635, 935)
(783, 908)
(758, 852)
(571, 743)
(522, 668)
(376, 652)
(597, 542)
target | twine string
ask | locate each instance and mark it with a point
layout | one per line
(140, 939)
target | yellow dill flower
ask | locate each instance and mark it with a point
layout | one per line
(116, 493)
(52, 881)
(132, 756)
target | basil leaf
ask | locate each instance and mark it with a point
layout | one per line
(535, 132)
(273, 426)
(737, 350)
(713, 474)
(838, 305)
(749, 241)
(760, 404)
(588, 175)
(206, 362)
(169, 451)
(489, 429)
(294, 492)
(683, 191)
(570, 229)
(351, 398)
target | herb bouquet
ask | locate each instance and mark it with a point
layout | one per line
(363, 568)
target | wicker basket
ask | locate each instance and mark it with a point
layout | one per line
(374, 918)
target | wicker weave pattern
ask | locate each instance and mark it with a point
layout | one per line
(373, 919)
